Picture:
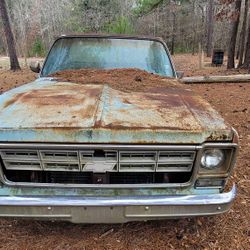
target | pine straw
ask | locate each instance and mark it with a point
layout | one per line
(227, 231)
(10, 79)
(120, 79)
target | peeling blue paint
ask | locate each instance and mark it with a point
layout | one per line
(70, 112)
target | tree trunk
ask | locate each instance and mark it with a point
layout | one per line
(194, 27)
(173, 34)
(246, 64)
(243, 35)
(210, 27)
(203, 35)
(233, 39)
(14, 64)
(217, 79)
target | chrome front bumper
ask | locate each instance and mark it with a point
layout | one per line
(114, 209)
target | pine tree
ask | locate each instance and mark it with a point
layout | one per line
(14, 64)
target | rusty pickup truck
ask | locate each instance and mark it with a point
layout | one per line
(91, 153)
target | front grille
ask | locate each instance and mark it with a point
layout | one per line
(98, 166)
(67, 177)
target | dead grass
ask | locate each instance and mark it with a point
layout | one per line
(227, 231)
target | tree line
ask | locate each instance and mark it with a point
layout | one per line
(28, 27)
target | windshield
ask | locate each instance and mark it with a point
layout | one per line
(108, 53)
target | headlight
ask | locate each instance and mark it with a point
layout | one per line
(212, 158)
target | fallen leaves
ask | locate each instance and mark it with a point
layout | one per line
(227, 231)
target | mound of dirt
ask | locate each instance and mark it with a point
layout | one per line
(120, 79)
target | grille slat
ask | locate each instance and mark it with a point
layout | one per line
(55, 156)
(137, 167)
(61, 166)
(17, 165)
(12, 154)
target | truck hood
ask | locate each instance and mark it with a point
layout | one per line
(50, 111)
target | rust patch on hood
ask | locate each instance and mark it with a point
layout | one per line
(133, 111)
(60, 104)
(12, 100)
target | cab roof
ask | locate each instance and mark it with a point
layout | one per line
(115, 36)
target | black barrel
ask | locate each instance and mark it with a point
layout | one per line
(218, 57)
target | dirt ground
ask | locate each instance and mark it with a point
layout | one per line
(227, 231)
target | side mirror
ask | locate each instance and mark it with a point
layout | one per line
(180, 74)
(35, 66)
